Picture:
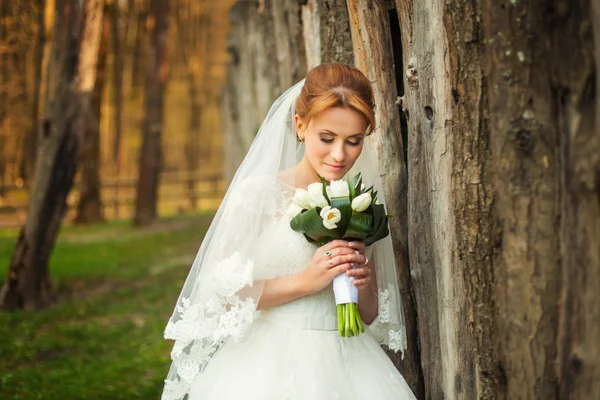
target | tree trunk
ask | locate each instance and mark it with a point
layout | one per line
(156, 80)
(190, 31)
(370, 26)
(30, 143)
(89, 208)
(242, 119)
(289, 44)
(449, 196)
(28, 284)
(326, 32)
(546, 154)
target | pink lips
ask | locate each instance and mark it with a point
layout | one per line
(335, 167)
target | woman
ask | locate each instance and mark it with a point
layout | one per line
(257, 317)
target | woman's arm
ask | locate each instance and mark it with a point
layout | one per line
(282, 290)
(319, 274)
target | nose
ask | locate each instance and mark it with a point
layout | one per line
(338, 153)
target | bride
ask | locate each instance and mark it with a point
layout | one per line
(257, 316)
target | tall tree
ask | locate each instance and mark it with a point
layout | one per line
(78, 37)
(156, 81)
(545, 143)
(373, 54)
(89, 207)
(30, 143)
(449, 195)
(193, 27)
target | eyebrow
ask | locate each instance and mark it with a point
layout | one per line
(335, 134)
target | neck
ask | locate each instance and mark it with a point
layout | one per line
(305, 174)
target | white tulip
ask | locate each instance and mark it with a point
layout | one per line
(362, 202)
(338, 189)
(316, 198)
(293, 210)
(302, 199)
(331, 216)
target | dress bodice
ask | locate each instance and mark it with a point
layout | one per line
(281, 251)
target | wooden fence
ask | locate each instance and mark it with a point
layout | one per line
(180, 192)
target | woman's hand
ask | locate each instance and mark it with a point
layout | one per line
(361, 275)
(331, 260)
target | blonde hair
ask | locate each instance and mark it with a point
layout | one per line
(336, 85)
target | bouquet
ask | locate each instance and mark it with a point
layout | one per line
(340, 210)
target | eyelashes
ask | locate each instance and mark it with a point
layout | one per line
(348, 141)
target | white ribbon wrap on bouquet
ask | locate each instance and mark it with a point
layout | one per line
(345, 291)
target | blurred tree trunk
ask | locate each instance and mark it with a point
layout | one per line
(117, 74)
(546, 152)
(28, 283)
(119, 31)
(49, 68)
(30, 144)
(255, 81)
(140, 53)
(193, 34)
(5, 51)
(156, 79)
(89, 208)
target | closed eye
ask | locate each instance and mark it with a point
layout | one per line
(351, 143)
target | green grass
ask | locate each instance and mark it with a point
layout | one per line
(103, 339)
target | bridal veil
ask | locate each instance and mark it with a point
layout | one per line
(219, 298)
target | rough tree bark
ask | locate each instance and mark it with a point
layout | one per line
(326, 31)
(546, 154)
(449, 196)
(156, 81)
(28, 284)
(370, 27)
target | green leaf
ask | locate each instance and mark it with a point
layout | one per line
(360, 225)
(342, 204)
(324, 182)
(380, 225)
(310, 224)
(354, 186)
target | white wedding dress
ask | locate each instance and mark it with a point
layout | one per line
(294, 351)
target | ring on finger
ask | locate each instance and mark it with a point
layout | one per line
(328, 253)
(330, 262)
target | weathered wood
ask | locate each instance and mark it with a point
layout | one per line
(156, 81)
(326, 31)
(28, 285)
(546, 155)
(449, 198)
(373, 54)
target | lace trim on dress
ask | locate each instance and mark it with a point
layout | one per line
(394, 339)
(205, 325)
(220, 311)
